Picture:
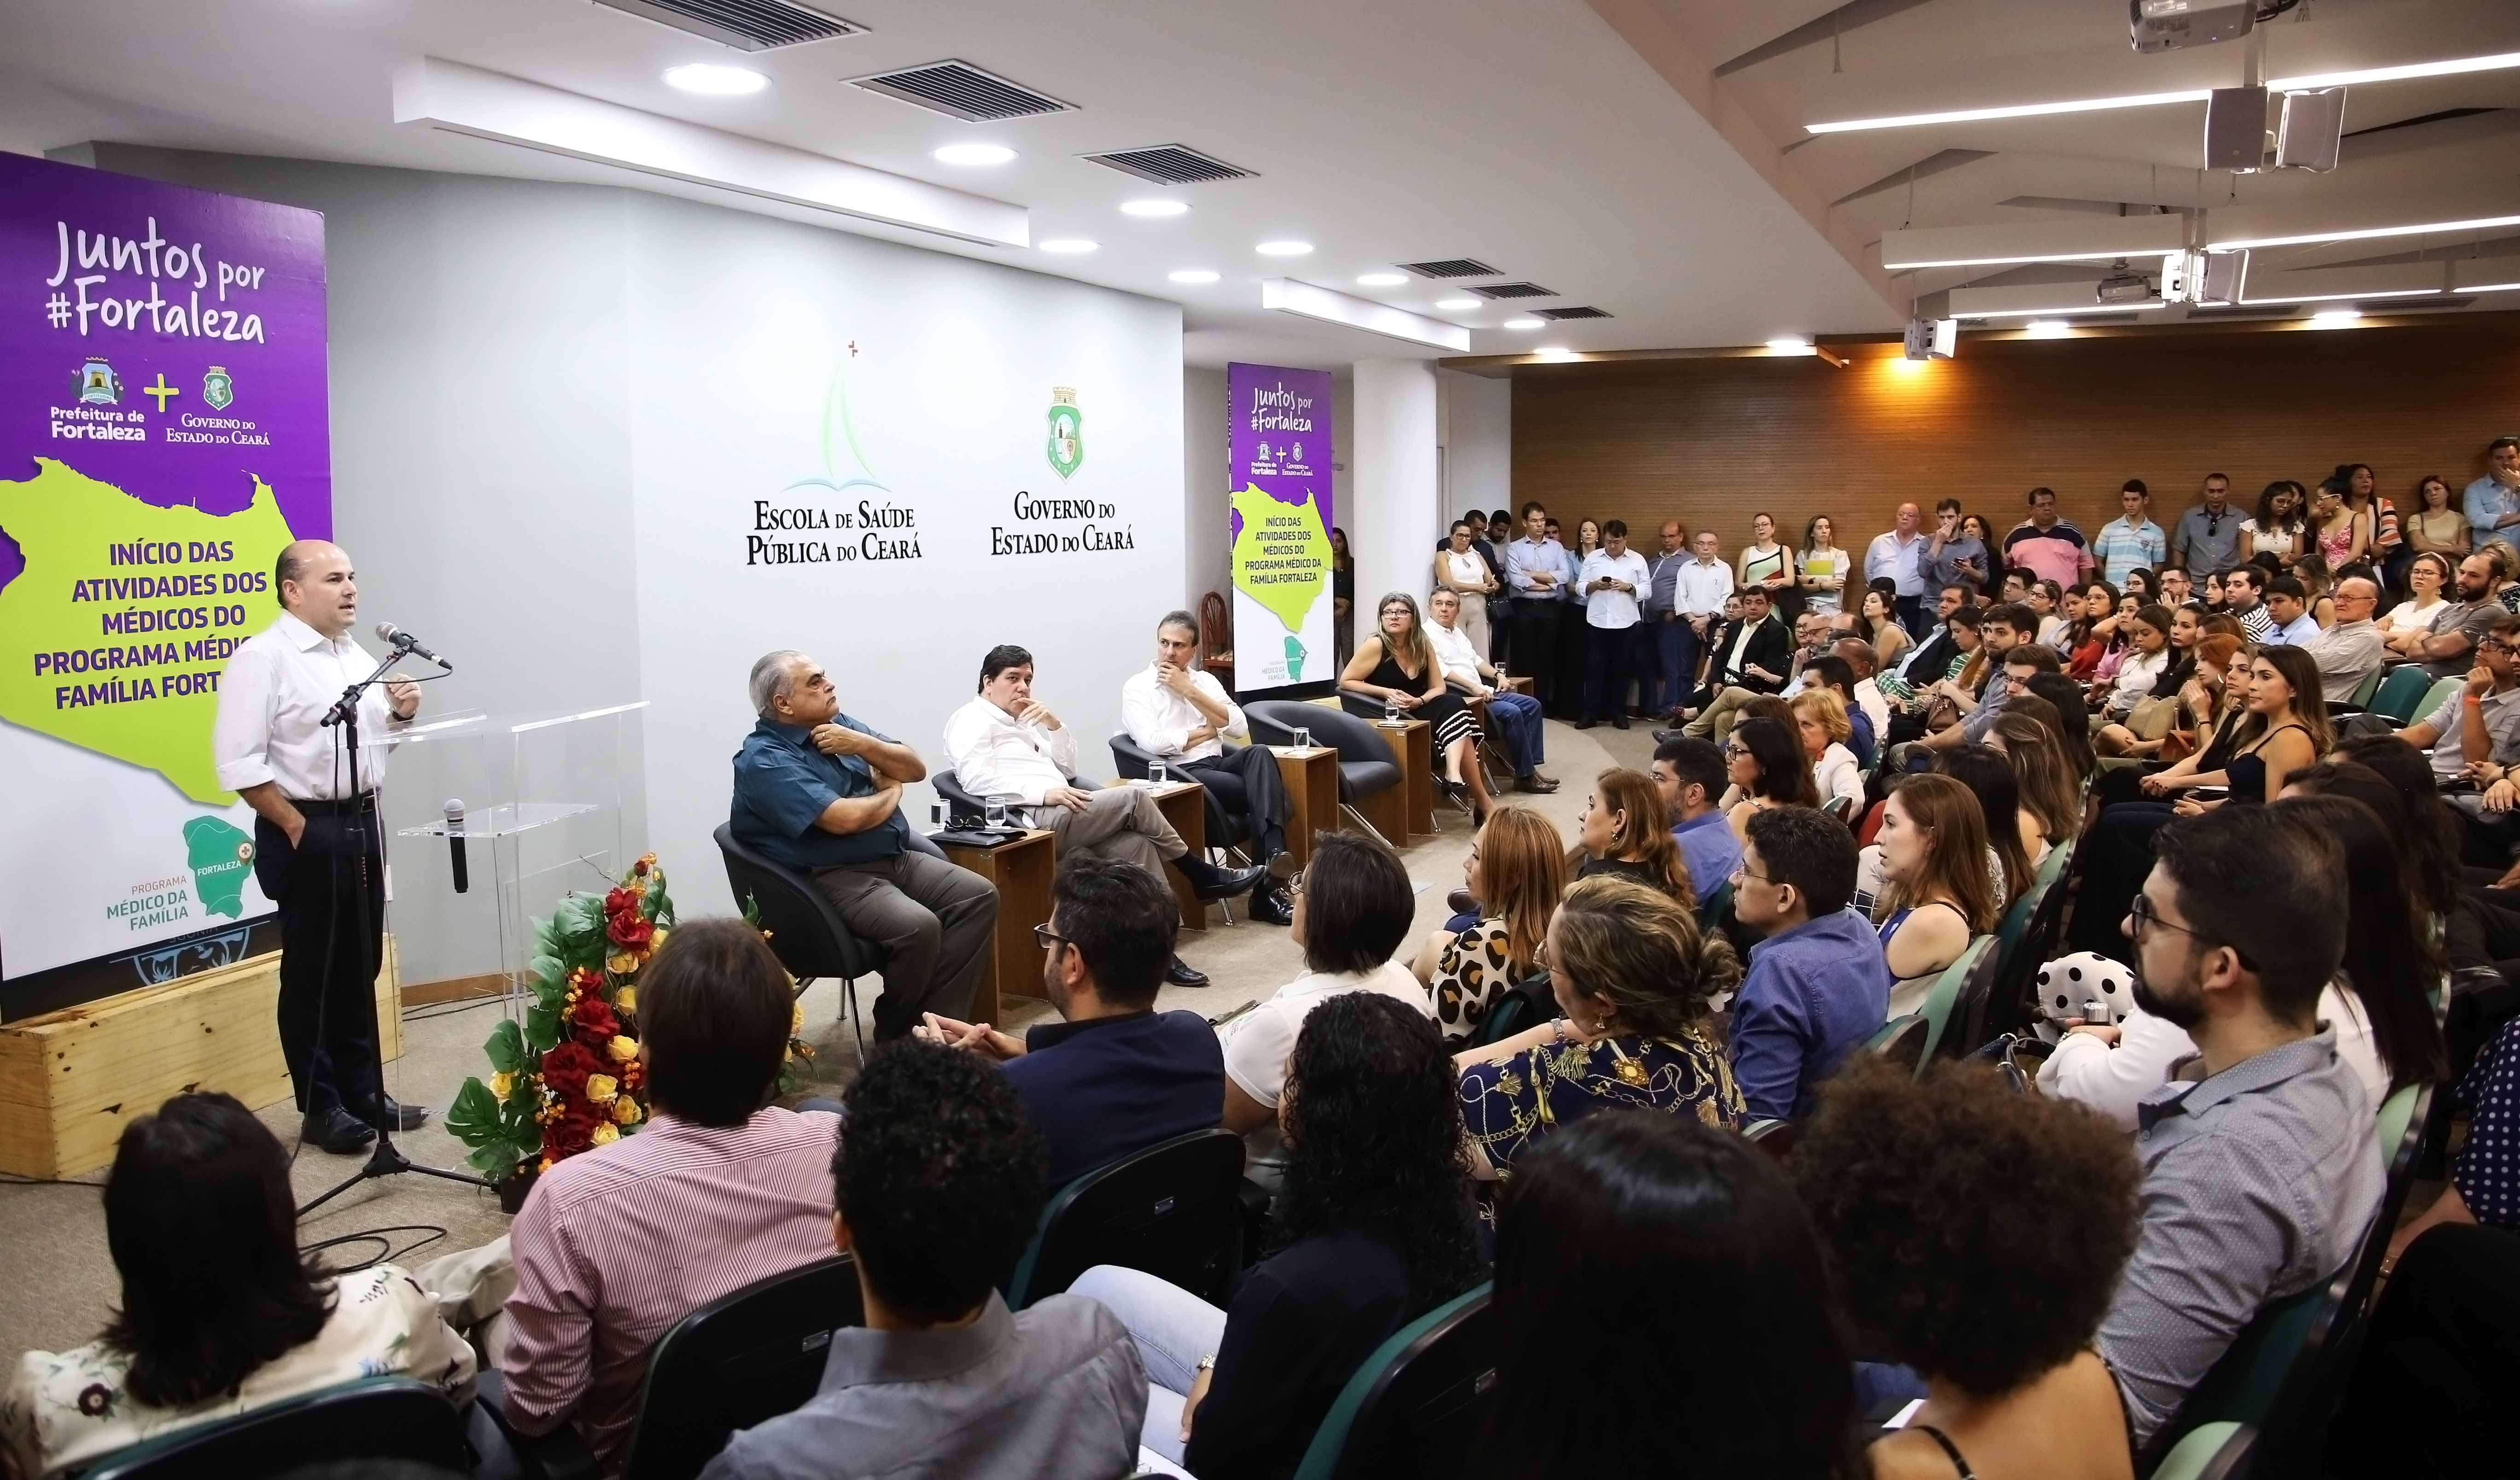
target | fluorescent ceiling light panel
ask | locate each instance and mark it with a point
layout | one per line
(1789, 344)
(1284, 249)
(1518, 325)
(972, 155)
(1192, 275)
(1380, 279)
(466, 100)
(2332, 316)
(1304, 300)
(1458, 305)
(2336, 284)
(2363, 233)
(2484, 275)
(711, 81)
(2048, 329)
(2449, 68)
(2094, 238)
(1153, 207)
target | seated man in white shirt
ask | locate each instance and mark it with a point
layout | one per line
(1513, 716)
(1005, 743)
(1182, 715)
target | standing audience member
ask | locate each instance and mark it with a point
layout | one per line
(1625, 830)
(1534, 574)
(1633, 975)
(1608, 583)
(1707, 1342)
(1897, 557)
(1997, 1308)
(1343, 596)
(1824, 567)
(2282, 525)
(1375, 1229)
(1953, 556)
(220, 1314)
(1667, 639)
(1516, 869)
(1462, 566)
(935, 1188)
(1699, 590)
(1817, 987)
(1574, 626)
(2131, 541)
(1112, 1076)
(1514, 717)
(1397, 666)
(1767, 762)
(1769, 566)
(2048, 545)
(2492, 503)
(2207, 537)
(1936, 895)
(716, 1166)
(2263, 1173)
(2437, 526)
(1691, 775)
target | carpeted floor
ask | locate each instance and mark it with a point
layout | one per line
(61, 1285)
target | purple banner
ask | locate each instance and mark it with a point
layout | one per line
(1280, 454)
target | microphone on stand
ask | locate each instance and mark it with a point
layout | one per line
(404, 642)
(455, 843)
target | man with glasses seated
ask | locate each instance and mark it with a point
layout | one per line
(2473, 740)
(2261, 1155)
(1112, 1076)
(2353, 649)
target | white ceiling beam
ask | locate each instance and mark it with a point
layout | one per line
(1306, 301)
(2037, 300)
(2337, 285)
(2083, 238)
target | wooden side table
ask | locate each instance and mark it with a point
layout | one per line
(1183, 804)
(1022, 868)
(1311, 776)
(1412, 740)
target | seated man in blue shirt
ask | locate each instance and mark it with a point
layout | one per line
(821, 793)
(1689, 774)
(1818, 986)
(1112, 1076)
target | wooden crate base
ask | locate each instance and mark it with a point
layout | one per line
(69, 1080)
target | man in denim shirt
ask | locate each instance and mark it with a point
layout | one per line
(1818, 986)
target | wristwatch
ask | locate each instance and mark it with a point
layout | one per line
(1206, 1364)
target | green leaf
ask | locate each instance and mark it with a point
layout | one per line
(659, 905)
(542, 1028)
(752, 910)
(473, 1118)
(505, 1047)
(546, 968)
(579, 914)
(497, 1161)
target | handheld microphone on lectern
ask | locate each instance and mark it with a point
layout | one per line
(404, 642)
(455, 843)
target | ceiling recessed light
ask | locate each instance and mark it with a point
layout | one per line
(1380, 279)
(1284, 248)
(1522, 323)
(1070, 245)
(1192, 275)
(2336, 318)
(1457, 305)
(969, 156)
(1792, 344)
(1153, 207)
(1555, 352)
(715, 80)
(2048, 329)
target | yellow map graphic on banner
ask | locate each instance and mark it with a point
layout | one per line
(115, 635)
(1281, 558)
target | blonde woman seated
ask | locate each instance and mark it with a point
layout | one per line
(1625, 832)
(1515, 871)
(1937, 892)
(1633, 975)
(1820, 717)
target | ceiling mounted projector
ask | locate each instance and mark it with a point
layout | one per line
(2165, 26)
(2123, 286)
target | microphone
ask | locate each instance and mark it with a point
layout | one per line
(455, 843)
(404, 642)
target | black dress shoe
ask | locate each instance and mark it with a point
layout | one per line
(336, 1131)
(1226, 883)
(1271, 905)
(1182, 974)
(1586, 724)
(1621, 723)
(390, 1114)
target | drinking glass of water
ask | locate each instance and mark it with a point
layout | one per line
(937, 813)
(1159, 774)
(997, 811)
(1391, 708)
(1303, 739)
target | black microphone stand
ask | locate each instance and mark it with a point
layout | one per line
(386, 1158)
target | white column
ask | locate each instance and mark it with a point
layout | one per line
(1397, 514)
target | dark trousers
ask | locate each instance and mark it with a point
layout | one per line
(2114, 858)
(1609, 661)
(1535, 644)
(1910, 611)
(1245, 783)
(1671, 661)
(331, 890)
(1565, 697)
(2429, 1391)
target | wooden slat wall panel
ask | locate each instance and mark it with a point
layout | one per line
(1715, 441)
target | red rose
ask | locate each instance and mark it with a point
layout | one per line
(620, 902)
(573, 1132)
(565, 1068)
(631, 931)
(594, 1021)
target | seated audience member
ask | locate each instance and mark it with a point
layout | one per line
(2262, 1173)
(1182, 714)
(1353, 908)
(1515, 870)
(935, 1188)
(1765, 759)
(1690, 775)
(2485, 1178)
(2213, 718)
(716, 1166)
(2149, 658)
(1820, 716)
(1705, 1342)
(1833, 672)
(2002, 664)
(1937, 894)
(2050, 798)
(2474, 741)
(1749, 655)
(1516, 717)
(2446, 648)
(1396, 665)
(2429, 1388)
(1878, 619)
(1006, 744)
(1634, 977)
(2351, 650)
(2288, 610)
(1997, 1308)
(219, 1314)
(1374, 1227)
(1817, 986)
(2014, 846)
(819, 793)
(2427, 582)
(1112, 1076)
(1625, 830)
(2071, 731)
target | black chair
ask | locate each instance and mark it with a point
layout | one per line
(1526, 1003)
(1902, 1040)
(1131, 761)
(1173, 1210)
(1412, 1408)
(806, 932)
(1366, 763)
(369, 1419)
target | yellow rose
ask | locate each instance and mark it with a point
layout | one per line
(626, 1001)
(626, 1112)
(796, 1020)
(621, 963)
(656, 939)
(502, 1085)
(605, 1135)
(601, 1088)
(623, 1049)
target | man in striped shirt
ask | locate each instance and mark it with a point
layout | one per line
(714, 1192)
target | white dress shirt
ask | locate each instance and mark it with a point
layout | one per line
(1607, 607)
(1877, 708)
(273, 697)
(992, 755)
(1159, 721)
(1454, 655)
(1700, 588)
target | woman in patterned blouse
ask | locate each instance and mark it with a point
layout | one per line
(1633, 975)
(1515, 871)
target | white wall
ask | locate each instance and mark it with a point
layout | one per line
(1207, 548)
(1478, 443)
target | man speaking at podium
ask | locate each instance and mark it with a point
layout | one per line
(273, 749)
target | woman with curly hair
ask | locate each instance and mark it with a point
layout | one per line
(1997, 1310)
(1625, 832)
(1634, 977)
(1373, 1229)
(1515, 870)
(1662, 1308)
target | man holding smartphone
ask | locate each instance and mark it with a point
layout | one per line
(1953, 558)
